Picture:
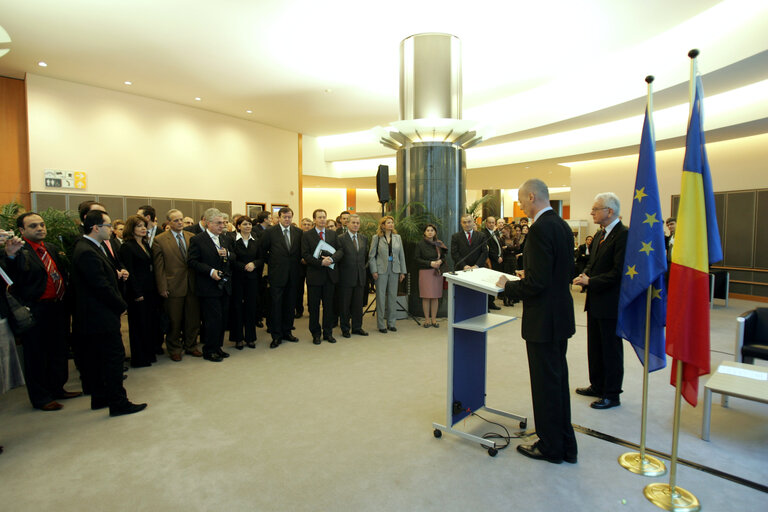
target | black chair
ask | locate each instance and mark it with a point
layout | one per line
(752, 336)
(719, 286)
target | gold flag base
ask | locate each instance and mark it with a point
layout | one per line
(648, 466)
(662, 496)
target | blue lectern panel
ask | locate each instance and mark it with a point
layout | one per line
(468, 303)
(468, 371)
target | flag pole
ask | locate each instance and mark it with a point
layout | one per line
(670, 496)
(640, 463)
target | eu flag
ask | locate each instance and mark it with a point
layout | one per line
(645, 261)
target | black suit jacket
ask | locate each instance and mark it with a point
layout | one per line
(30, 276)
(494, 250)
(283, 263)
(140, 267)
(604, 269)
(245, 255)
(204, 257)
(462, 253)
(317, 274)
(545, 290)
(99, 303)
(195, 228)
(352, 265)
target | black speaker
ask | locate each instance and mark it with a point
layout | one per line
(382, 183)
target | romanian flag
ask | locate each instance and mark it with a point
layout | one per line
(697, 244)
(645, 260)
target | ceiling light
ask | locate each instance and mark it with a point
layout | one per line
(5, 39)
(198, 99)
(42, 64)
(128, 82)
(249, 111)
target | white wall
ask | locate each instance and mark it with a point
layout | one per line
(737, 164)
(131, 145)
(332, 200)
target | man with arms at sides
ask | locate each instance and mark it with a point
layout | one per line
(281, 249)
(352, 278)
(260, 225)
(197, 228)
(40, 282)
(321, 278)
(343, 223)
(150, 217)
(99, 306)
(602, 278)
(469, 248)
(306, 225)
(210, 256)
(176, 285)
(548, 322)
(495, 257)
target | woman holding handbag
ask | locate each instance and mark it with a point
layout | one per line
(430, 259)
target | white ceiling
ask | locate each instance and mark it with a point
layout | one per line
(324, 68)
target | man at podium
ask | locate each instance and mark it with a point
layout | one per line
(548, 322)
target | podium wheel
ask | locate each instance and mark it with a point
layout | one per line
(523, 424)
(438, 433)
(492, 452)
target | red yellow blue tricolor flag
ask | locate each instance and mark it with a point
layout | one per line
(697, 244)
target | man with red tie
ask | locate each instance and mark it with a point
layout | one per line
(469, 248)
(40, 282)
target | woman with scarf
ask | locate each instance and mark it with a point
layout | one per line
(430, 257)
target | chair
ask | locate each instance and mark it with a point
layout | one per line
(719, 286)
(752, 336)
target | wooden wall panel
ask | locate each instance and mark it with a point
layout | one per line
(14, 142)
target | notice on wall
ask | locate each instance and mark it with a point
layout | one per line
(55, 178)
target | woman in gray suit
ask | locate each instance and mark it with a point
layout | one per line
(386, 260)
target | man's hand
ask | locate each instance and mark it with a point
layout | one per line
(520, 274)
(164, 294)
(327, 261)
(215, 275)
(402, 276)
(501, 259)
(375, 276)
(123, 274)
(13, 245)
(249, 266)
(581, 279)
(502, 282)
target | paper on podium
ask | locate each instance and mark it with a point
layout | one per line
(324, 246)
(481, 279)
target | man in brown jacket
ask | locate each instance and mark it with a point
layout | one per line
(175, 283)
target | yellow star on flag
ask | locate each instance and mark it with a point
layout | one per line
(646, 248)
(650, 219)
(631, 272)
(655, 293)
(640, 194)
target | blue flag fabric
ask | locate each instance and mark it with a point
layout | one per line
(645, 261)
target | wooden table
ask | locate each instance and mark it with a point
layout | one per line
(733, 385)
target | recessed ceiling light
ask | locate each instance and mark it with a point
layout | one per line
(128, 82)
(329, 90)
(249, 111)
(198, 99)
(42, 64)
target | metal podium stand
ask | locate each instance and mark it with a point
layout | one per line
(467, 350)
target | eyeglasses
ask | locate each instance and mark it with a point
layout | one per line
(104, 225)
(598, 209)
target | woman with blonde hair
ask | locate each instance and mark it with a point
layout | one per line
(386, 260)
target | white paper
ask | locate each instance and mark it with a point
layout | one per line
(741, 372)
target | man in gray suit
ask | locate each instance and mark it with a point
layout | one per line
(352, 277)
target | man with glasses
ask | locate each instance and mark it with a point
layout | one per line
(602, 279)
(99, 306)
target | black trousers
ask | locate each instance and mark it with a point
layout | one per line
(551, 398)
(105, 355)
(45, 353)
(315, 295)
(141, 331)
(605, 352)
(351, 307)
(213, 311)
(244, 309)
(300, 289)
(283, 304)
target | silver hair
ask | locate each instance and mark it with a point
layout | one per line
(536, 187)
(610, 200)
(212, 213)
(171, 212)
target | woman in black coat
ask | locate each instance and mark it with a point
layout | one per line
(430, 258)
(245, 285)
(140, 292)
(582, 255)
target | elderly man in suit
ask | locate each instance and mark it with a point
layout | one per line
(548, 322)
(602, 277)
(469, 248)
(352, 278)
(495, 256)
(176, 284)
(40, 282)
(99, 306)
(321, 277)
(211, 256)
(281, 248)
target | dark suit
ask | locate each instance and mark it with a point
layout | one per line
(99, 306)
(245, 291)
(352, 280)
(143, 315)
(264, 300)
(604, 349)
(548, 322)
(283, 269)
(464, 254)
(582, 258)
(213, 295)
(195, 229)
(45, 345)
(321, 281)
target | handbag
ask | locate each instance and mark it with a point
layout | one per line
(20, 319)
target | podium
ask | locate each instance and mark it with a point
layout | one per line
(469, 323)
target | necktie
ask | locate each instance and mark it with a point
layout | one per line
(357, 247)
(287, 236)
(58, 283)
(321, 235)
(469, 238)
(109, 247)
(182, 246)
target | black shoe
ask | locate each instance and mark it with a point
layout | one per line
(570, 459)
(128, 408)
(393, 328)
(493, 306)
(215, 357)
(250, 344)
(239, 345)
(588, 391)
(298, 315)
(346, 334)
(259, 324)
(223, 354)
(159, 351)
(316, 340)
(532, 451)
(274, 344)
(95, 406)
(291, 338)
(360, 332)
(383, 331)
(605, 403)
(329, 338)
